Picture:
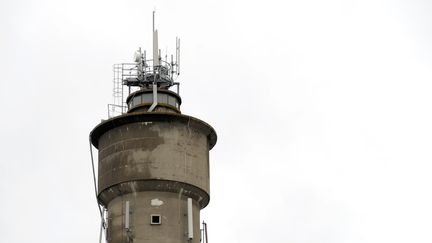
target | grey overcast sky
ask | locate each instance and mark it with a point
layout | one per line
(322, 108)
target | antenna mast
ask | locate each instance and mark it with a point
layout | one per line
(143, 73)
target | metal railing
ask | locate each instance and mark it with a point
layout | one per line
(135, 76)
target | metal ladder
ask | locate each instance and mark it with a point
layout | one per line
(118, 106)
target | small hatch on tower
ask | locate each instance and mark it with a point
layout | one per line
(155, 219)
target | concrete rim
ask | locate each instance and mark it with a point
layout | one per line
(128, 118)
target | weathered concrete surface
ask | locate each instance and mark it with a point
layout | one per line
(153, 150)
(190, 121)
(159, 156)
(199, 195)
(163, 105)
(173, 210)
(159, 108)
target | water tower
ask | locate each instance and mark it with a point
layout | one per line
(153, 161)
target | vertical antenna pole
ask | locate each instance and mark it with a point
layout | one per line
(155, 64)
(190, 219)
(127, 215)
(172, 66)
(154, 21)
(176, 57)
(155, 49)
(145, 64)
(178, 60)
(155, 44)
(205, 232)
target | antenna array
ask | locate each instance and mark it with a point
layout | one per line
(147, 72)
(144, 73)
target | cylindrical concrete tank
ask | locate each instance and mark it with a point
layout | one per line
(150, 163)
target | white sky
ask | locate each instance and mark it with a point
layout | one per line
(322, 108)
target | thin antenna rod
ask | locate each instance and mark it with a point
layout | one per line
(144, 58)
(178, 58)
(156, 53)
(154, 21)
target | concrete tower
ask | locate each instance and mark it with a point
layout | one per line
(153, 163)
